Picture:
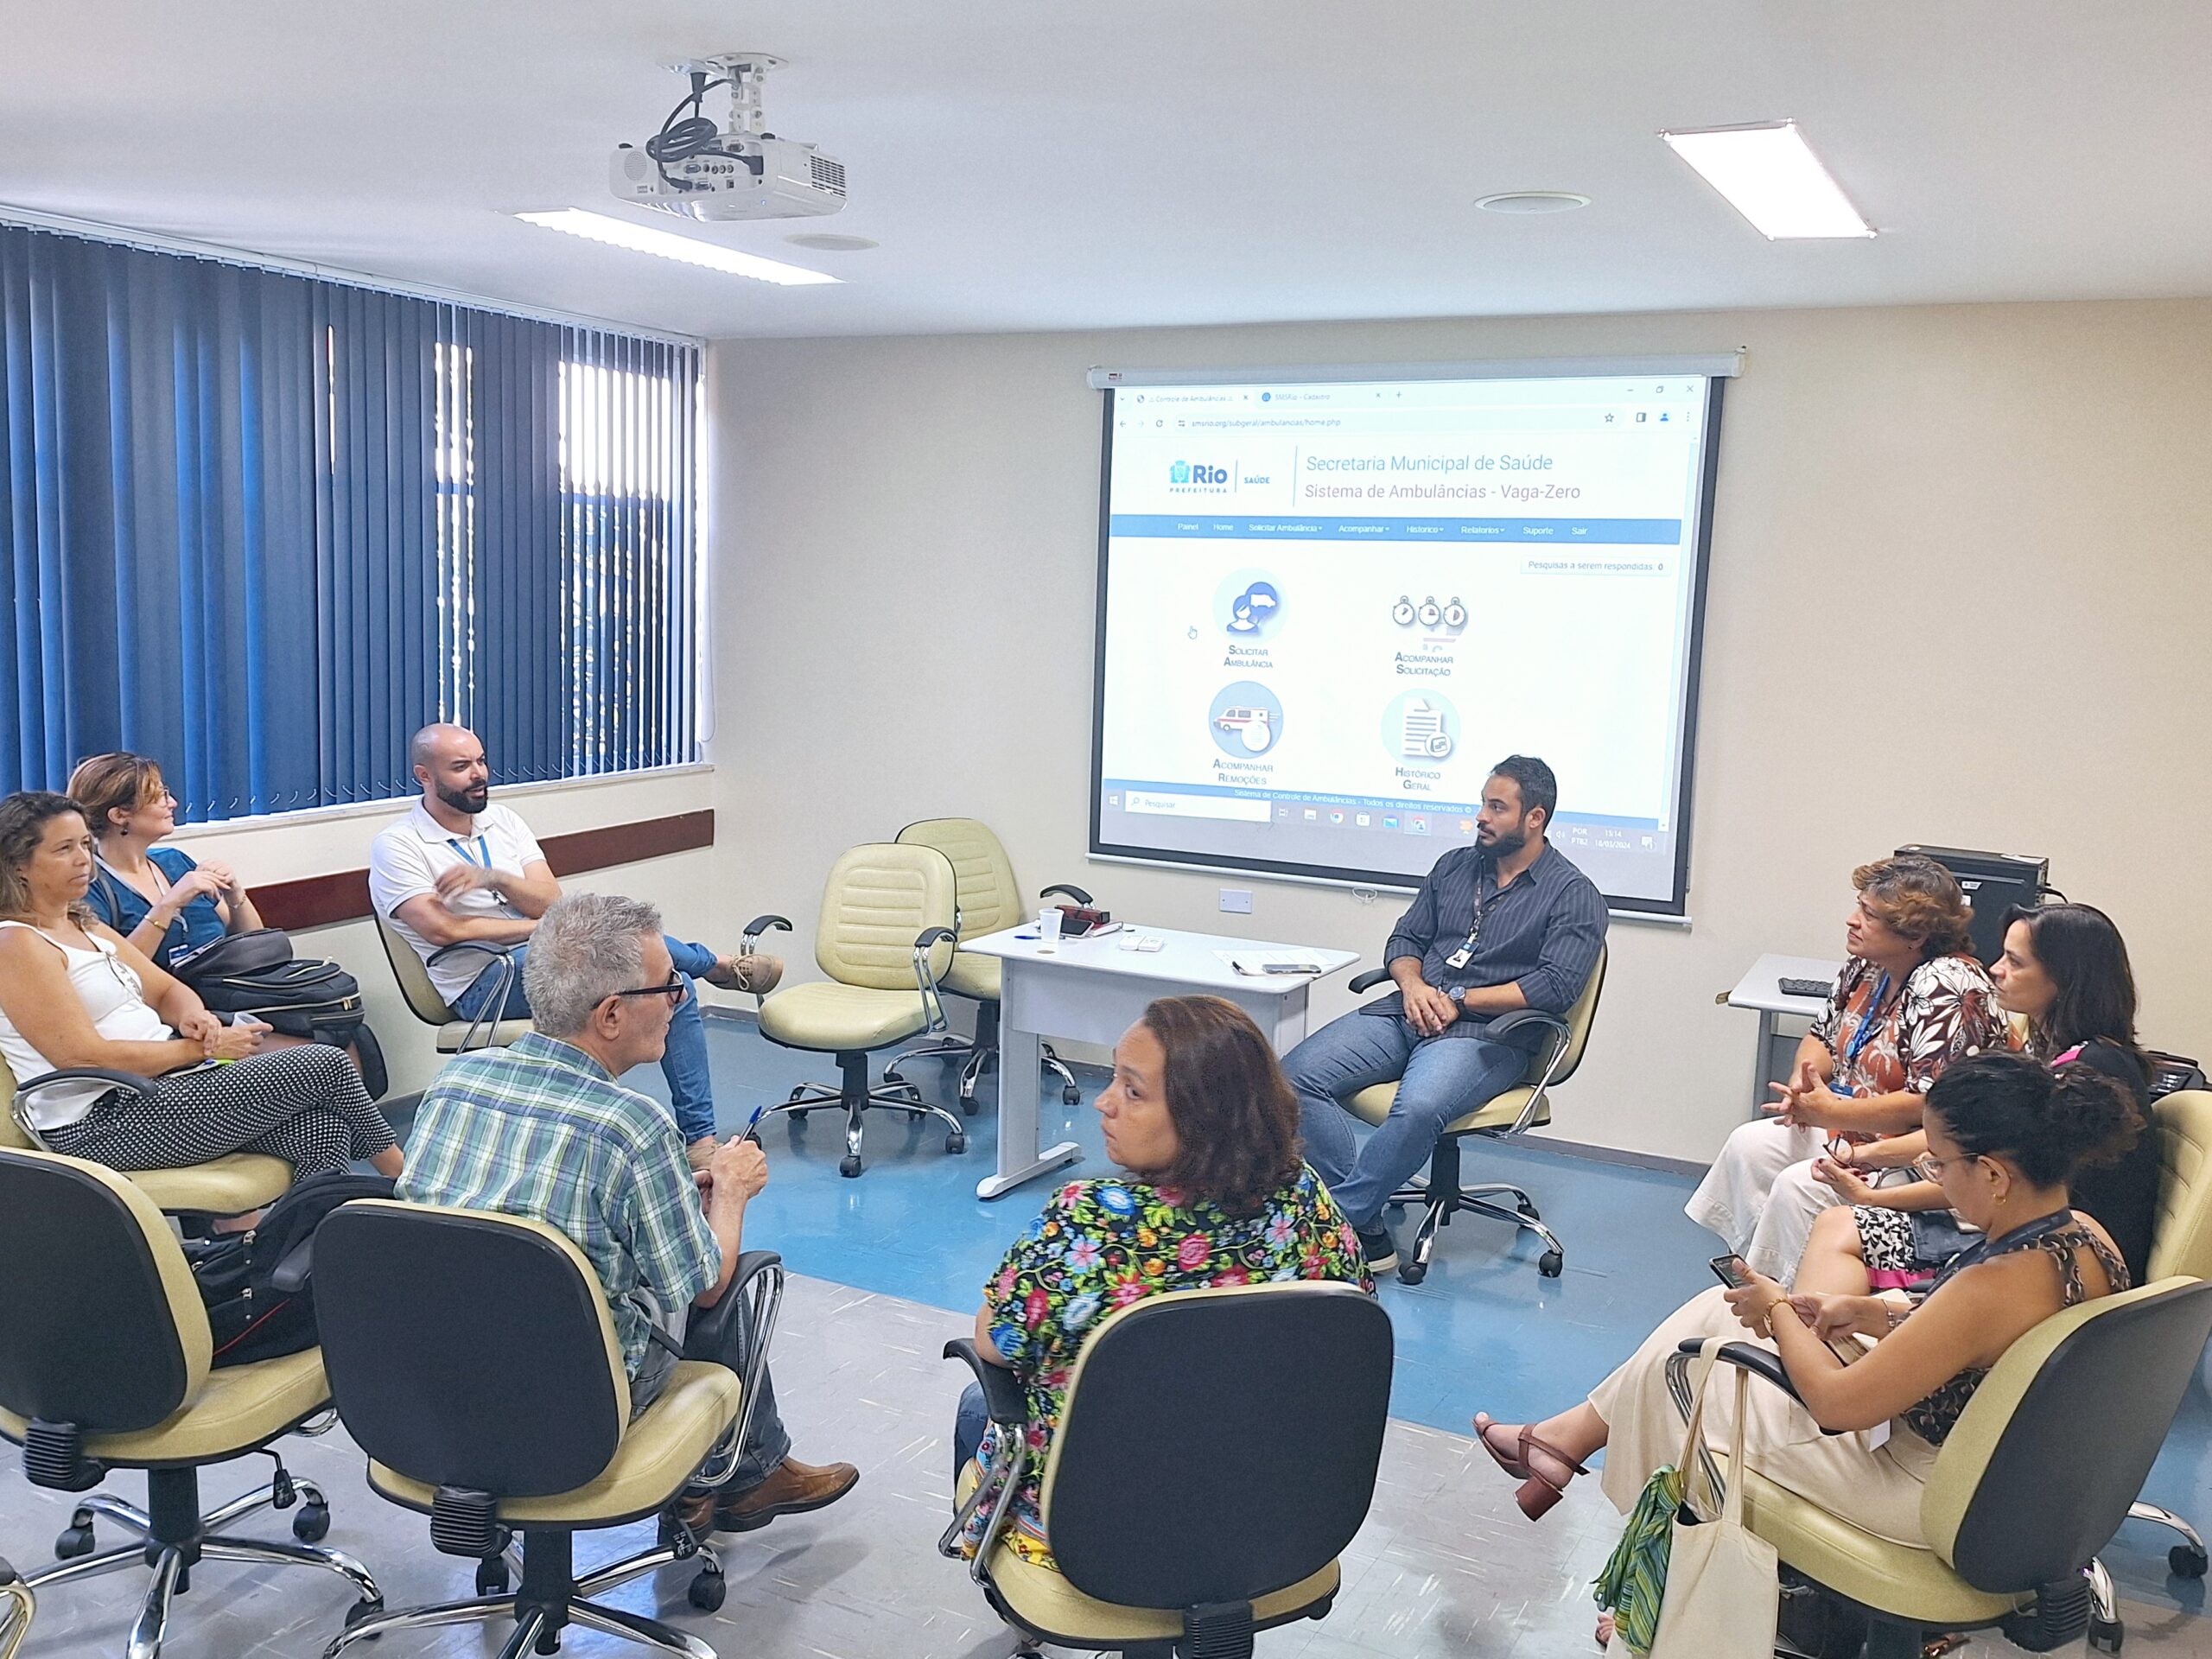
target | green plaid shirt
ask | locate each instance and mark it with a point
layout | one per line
(539, 1129)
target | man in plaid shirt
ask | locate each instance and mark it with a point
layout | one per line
(542, 1129)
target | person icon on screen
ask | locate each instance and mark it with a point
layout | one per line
(1251, 610)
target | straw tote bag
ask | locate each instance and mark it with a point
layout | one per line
(1723, 1591)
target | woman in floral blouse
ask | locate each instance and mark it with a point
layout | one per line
(1911, 1000)
(1216, 1193)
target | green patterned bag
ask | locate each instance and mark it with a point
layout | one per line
(1634, 1579)
(1633, 1582)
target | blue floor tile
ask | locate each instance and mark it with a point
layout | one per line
(1484, 1332)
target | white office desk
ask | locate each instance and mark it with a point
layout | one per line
(1760, 989)
(1091, 990)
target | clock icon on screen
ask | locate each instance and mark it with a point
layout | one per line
(1403, 612)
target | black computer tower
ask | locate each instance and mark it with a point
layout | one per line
(1993, 883)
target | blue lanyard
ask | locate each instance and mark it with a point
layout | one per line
(483, 851)
(1866, 1023)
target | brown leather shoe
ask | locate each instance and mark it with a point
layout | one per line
(792, 1488)
(697, 1511)
(756, 973)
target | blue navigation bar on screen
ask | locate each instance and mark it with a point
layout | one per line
(1333, 528)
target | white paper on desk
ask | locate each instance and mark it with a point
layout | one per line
(1254, 964)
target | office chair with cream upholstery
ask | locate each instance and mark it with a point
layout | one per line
(103, 1365)
(472, 1358)
(229, 1185)
(884, 939)
(2033, 1481)
(1184, 1518)
(1527, 1105)
(455, 1035)
(986, 899)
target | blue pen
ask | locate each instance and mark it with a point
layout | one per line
(752, 1125)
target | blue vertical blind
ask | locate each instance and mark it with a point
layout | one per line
(261, 526)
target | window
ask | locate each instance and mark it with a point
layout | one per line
(261, 526)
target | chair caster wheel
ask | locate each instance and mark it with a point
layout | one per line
(848, 1166)
(1550, 1263)
(956, 1142)
(2187, 1561)
(2106, 1638)
(492, 1577)
(1412, 1273)
(1528, 1209)
(798, 1116)
(312, 1524)
(707, 1593)
(968, 1105)
(76, 1539)
(361, 1610)
(1071, 1095)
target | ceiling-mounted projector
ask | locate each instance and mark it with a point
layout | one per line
(693, 168)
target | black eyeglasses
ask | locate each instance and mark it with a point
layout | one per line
(673, 990)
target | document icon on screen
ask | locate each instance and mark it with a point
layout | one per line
(1425, 738)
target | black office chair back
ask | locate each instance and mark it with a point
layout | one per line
(89, 1333)
(1219, 1445)
(467, 1350)
(2074, 1452)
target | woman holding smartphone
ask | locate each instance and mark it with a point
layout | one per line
(2005, 1135)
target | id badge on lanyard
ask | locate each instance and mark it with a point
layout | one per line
(1465, 953)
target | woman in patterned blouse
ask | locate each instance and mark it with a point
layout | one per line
(1911, 1000)
(1216, 1193)
(2005, 1136)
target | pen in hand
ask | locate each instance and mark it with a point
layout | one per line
(753, 1126)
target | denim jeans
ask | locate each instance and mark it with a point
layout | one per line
(967, 1426)
(690, 1089)
(1439, 1078)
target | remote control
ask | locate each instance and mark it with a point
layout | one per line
(1819, 987)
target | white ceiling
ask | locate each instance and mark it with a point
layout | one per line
(1046, 164)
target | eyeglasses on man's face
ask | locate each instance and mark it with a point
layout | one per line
(673, 990)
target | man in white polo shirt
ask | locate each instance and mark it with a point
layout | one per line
(458, 870)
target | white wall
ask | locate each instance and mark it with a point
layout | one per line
(682, 884)
(1960, 590)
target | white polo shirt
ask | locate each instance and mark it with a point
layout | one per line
(407, 858)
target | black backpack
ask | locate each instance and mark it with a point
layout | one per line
(257, 1285)
(300, 996)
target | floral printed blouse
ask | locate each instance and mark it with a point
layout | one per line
(1946, 1010)
(1103, 1244)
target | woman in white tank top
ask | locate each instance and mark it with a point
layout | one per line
(74, 993)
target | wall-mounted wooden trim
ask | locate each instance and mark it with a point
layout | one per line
(322, 900)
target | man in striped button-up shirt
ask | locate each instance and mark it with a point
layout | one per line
(1507, 924)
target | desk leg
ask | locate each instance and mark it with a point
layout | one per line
(1761, 1058)
(1020, 1092)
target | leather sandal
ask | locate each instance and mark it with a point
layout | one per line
(1538, 1492)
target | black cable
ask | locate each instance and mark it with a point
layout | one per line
(680, 140)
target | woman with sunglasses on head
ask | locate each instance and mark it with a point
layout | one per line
(1910, 1000)
(2005, 1135)
(2065, 973)
(75, 993)
(158, 898)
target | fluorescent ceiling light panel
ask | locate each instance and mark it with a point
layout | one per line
(1769, 176)
(643, 238)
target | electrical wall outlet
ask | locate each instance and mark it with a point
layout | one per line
(1236, 900)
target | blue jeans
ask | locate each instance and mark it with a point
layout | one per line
(967, 1426)
(691, 1087)
(1439, 1078)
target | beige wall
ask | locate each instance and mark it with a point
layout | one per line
(682, 884)
(1960, 592)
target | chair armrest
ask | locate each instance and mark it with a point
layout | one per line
(459, 945)
(1767, 1366)
(1002, 1396)
(291, 1274)
(1521, 1017)
(1067, 887)
(934, 936)
(1369, 981)
(750, 1265)
(760, 925)
(130, 1080)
